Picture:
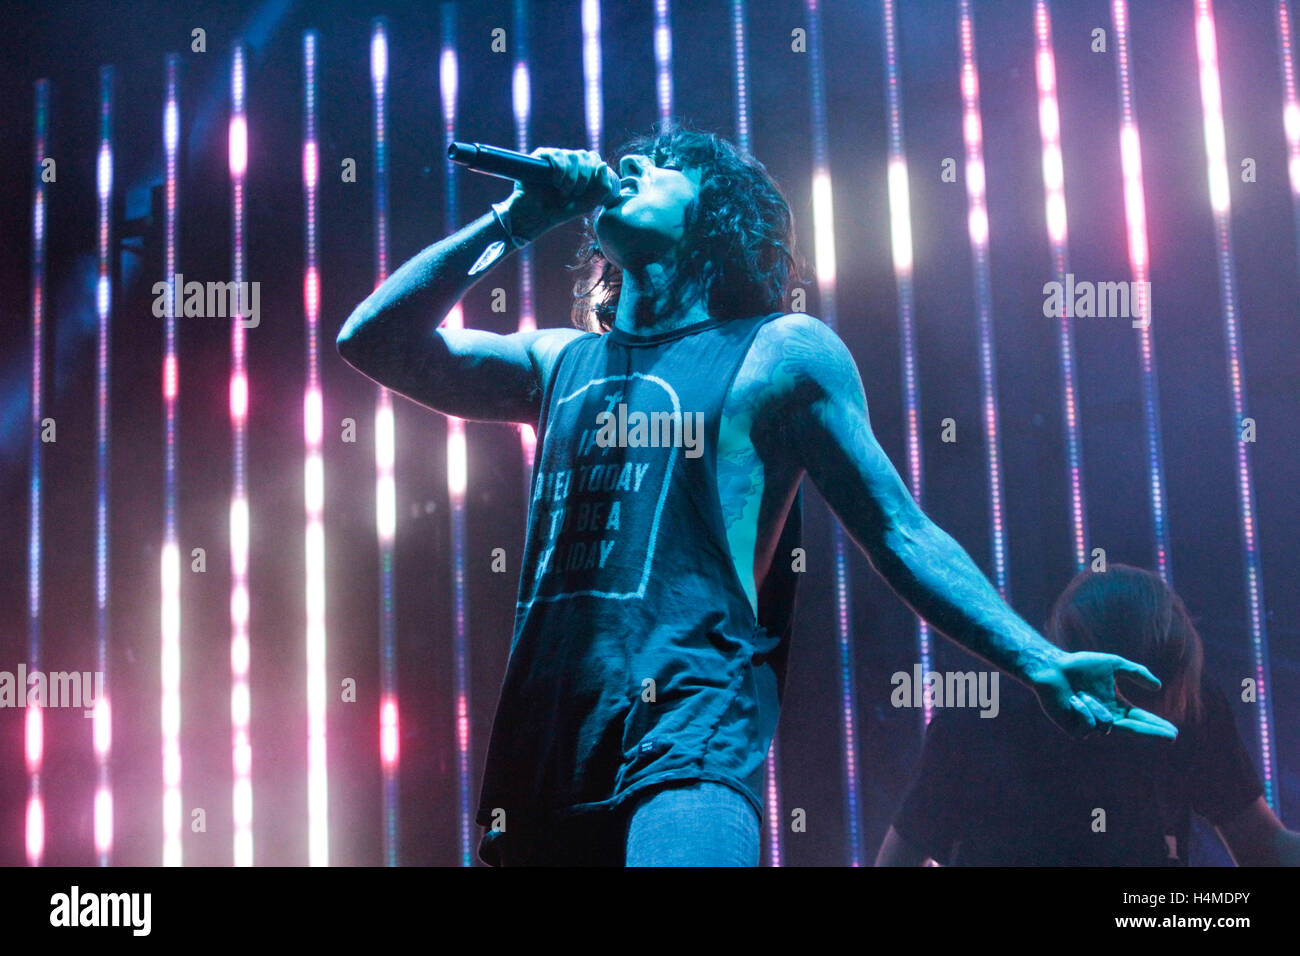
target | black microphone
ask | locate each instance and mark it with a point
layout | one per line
(510, 164)
(495, 161)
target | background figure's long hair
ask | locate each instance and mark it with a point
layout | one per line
(1131, 612)
(738, 235)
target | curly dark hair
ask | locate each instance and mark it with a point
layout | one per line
(738, 235)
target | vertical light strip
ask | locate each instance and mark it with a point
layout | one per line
(900, 219)
(591, 78)
(170, 570)
(1221, 204)
(240, 702)
(978, 223)
(772, 799)
(664, 58)
(772, 795)
(521, 98)
(456, 463)
(101, 730)
(742, 74)
(824, 258)
(33, 728)
(385, 452)
(1290, 111)
(314, 484)
(1136, 219)
(1049, 128)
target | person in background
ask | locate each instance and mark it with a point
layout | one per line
(1015, 791)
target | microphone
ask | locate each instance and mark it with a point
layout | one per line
(495, 161)
(510, 164)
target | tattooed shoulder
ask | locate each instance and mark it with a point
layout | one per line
(794, 360)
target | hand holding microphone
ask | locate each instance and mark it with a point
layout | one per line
(552, 186)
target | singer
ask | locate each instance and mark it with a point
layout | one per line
(657, 589)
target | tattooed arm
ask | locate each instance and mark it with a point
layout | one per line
(393, 337)
(922, 563)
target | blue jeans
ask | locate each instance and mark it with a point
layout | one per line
(699, 824)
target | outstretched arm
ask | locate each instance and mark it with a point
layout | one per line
(921, 562)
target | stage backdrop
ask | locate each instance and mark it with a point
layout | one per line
(291, 583)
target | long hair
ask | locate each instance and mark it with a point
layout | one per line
(1132, 612)
(738, 238)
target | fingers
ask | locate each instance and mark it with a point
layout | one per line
(1101, 719)
(556, 159)
(574, 171)
(595, 177)
(1099, 712)
(1139, 721)
(1076, 719)
(608, 178)
(1137, 673)
(579, 180)
(1089, 716)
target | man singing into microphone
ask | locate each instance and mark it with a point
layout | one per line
(657, 584)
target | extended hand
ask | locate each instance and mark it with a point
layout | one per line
(1078, 693)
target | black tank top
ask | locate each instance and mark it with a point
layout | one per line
(636, 658)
